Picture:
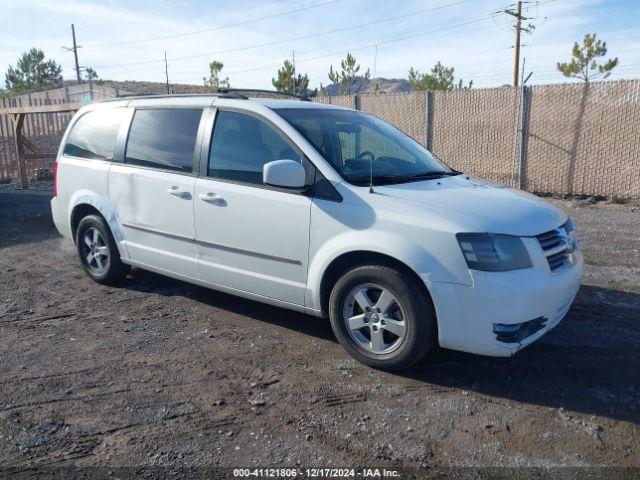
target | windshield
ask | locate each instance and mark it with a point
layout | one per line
(359, 146)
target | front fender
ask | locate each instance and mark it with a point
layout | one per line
(106, 209)
(420, 260)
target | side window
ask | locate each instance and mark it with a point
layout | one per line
(163, 138)
(94, 134)
(242, 144)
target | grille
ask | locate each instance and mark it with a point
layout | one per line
(557, 248)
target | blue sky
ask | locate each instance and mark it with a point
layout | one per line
(119, 38)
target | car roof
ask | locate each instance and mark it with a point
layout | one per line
(205, 100)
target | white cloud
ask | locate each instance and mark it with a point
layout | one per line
(479, 50)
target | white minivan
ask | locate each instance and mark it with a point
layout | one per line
(321, 209)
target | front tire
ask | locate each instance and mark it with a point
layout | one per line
(98, 251)
(382, 317)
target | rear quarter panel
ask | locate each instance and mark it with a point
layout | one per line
(82, 181)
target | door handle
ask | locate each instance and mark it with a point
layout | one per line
(213, 198)
(179, 192)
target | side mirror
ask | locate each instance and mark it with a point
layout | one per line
(283, 173)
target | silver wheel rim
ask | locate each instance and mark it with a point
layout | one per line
(95, 251)
(374, 318)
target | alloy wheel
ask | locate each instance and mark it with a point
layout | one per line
(374, 318)
(95, 251)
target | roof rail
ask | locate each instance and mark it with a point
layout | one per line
(131, 96)
(303, 98)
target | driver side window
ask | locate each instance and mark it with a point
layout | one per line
(242, 144)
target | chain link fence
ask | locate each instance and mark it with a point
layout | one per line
(577, 139)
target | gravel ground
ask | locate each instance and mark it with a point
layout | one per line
(160, 373)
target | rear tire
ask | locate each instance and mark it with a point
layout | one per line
(382, 317)
(98, 251)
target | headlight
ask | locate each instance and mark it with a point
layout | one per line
(493, 253)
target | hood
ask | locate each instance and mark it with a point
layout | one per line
(477, 205)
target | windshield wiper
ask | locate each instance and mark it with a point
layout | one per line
(391, 179)
(429, 175)
(378, 179)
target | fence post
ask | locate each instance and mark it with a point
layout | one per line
(428, 100)
(356, 101)
(522, 151)
(18, 122)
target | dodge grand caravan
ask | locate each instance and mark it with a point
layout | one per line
(316, 208)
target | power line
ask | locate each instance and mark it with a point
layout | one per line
(293, 39)
(395, 40)
(388, 42)
(213, 29)
(273, 63)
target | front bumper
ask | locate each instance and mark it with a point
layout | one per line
(483, 317)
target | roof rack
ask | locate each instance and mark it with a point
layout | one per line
(221, 92)
(303, 98)
(132, 96)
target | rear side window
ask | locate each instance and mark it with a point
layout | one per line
(242, 144)
(163, 138)
(94, 134)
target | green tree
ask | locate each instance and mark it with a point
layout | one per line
(90, 73)
(440, 78)
(290, 82)
(583, 65)
(214, 82)
(32, 72)
(344, 79)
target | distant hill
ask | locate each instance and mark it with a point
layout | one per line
(374, 85)
(150, 88)
(359, 85)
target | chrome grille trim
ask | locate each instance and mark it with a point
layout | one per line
(556, 246)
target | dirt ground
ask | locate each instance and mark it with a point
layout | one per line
(161, 373)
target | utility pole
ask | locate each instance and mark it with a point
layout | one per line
(166, 71)
(75, 53)
(518, 27)
(375, 61)
(293, 62)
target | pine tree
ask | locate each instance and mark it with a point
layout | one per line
(290, 82)
(32, 72)
(440, 78)
(583, 65)
(345, 78)
(214, 83)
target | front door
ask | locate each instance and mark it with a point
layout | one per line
(153, 190)
(249, 236)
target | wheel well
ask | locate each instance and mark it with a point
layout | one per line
(78, 213)
(349, 260)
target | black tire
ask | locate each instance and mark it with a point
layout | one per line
(113, 271)
(420, 332)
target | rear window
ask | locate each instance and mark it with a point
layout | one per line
(163, 138)
(94, 134)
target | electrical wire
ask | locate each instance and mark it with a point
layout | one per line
(293, 39)
(212, 29)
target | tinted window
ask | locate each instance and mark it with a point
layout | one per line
(358, 144)
(242, 144)
(163, 138)
(94, 134)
